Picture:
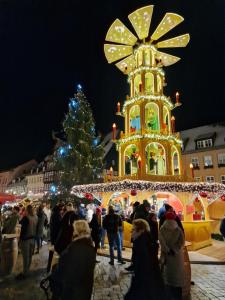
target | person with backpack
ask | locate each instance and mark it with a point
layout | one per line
(111, 224)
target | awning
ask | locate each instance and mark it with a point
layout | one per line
(6, 198)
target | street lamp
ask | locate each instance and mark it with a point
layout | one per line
(191, 170)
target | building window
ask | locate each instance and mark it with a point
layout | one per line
(209, 178)
(208, 161)
(223, 179)
(204, 143)
(221, 159)
(197, 179)
(195, 162)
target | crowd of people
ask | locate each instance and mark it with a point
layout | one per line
(76, 234)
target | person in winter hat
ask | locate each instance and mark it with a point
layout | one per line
(171, 238)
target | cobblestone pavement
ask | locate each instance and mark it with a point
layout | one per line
(110, 282)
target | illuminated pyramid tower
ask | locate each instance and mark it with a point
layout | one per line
(149, 149)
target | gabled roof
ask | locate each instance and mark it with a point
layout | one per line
(214, 131)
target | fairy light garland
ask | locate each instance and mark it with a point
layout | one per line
(146, 68)
(149, 136)
(142, 185)
(148, 97)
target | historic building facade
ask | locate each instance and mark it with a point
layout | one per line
(204, 148)
(11, 176)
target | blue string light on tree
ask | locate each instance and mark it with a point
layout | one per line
(62, 151)
(79, 88)
(53, 189)
(92, 129)
(95, 141)
(73, 104)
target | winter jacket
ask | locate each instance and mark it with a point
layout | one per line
(74, 274)
(112, 222)
(95, 228)
(171, 240)
(10, 224)
(28, 227)
(147, 282)
(222, 227)
(141, 212)
(55, 223)
(65, 234)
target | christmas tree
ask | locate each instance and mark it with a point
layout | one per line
(80, 158)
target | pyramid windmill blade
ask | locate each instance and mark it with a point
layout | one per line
(141, 19)
(167, 59)
(119, 33)
(168, 22)
(178, 41)
(115, 52)
(126, 65)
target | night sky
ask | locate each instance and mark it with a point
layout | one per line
(48, 47)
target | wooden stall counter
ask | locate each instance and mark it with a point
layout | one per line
(198, 233)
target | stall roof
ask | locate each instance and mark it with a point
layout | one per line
(142, 185)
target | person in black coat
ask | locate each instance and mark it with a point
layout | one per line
(54, 226)
(135, 205)
(147, 282)
(222, 227)
(42, 221)
(74, 275)
(95, 231)
(55, 223)
(154, 233)
(65, 235)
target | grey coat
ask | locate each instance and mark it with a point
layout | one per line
(171, 240)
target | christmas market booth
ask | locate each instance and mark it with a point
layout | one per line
(191, 201)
